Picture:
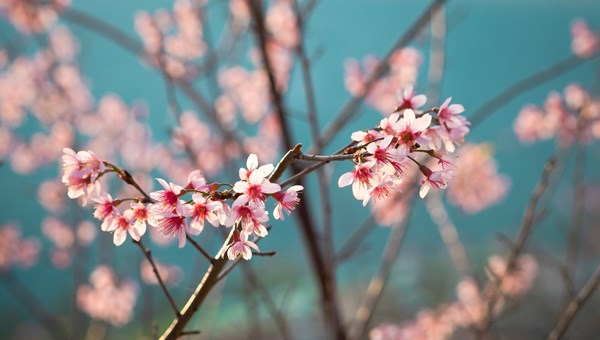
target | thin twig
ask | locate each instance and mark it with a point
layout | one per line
(148, 255)
(567, 316)
(449, 234)
(200, 249)
(519, 244)
(525, 85)
(355, 239)
(365, 311)
(265, 297)
(437, 55)
(578, 203)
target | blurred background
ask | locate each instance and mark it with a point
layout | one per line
(127, 111)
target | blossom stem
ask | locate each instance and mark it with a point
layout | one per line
(326, 159)
(148, 255)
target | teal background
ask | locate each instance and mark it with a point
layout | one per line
(490, 45)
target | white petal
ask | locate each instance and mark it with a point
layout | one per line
(252, 162)
(346, 179)
(119, 236)
(424, 190)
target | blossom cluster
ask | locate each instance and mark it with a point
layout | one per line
(173, 39)
(406, 136)
(16, 250)
(472, 305)
(573, 116)
(584, 42)
(476, 184)
(33, 16)
(107, 299)
(176, 217)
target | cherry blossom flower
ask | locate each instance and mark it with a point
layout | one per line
(121, 225)
(171, 222)
(409, 99)
(360, 178)
(138, 213)
(585, 43)
(433, 179)
(252, 216)
(449, 114)
(105, 209)
(240, 246)
(204, 209)
(286, 201)
(256, 187)
(410, 129)
(169, 197)
(80, 171)
(252, 166)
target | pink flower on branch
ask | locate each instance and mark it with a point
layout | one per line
(286, 201)
(241, 246)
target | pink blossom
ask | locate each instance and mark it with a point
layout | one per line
(168, 273)
(138, 214)
(167, 198)
(286, 201)
(585, 43)
(252, 216)
(80, 171)
(204, 209)
(171, 222)
(409, 99)
(449, 114)
(105, 209)
(360, 178)
(519, 280)
(433, 179)
(121, 225)
(381, 188)
(106, 299)
(16, 250)
(476, 184)
(409, 129)
(240, 246)
(256, 187)
(252, 166)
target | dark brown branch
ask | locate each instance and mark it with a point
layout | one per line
(161, 282)
(197, 298)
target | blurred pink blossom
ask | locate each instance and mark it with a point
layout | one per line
(476, 184)
(15, 250)
(106, 299)
(168, 273)
(584, 42)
